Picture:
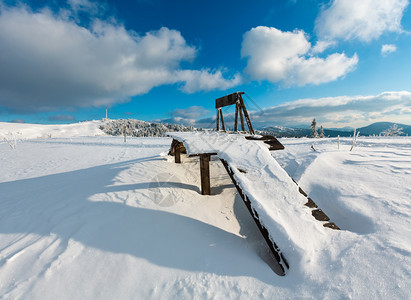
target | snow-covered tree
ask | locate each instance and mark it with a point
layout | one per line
(313, 127)
(322, 132)
(394, 130)
(140, 128)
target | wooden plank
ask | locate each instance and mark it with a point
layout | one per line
(280, 259)
(269, 140)
(198, 154)
(227, 100)
(205, 173)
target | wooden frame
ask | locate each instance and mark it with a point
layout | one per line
(237, 100)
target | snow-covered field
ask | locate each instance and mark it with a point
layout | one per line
(94, 218)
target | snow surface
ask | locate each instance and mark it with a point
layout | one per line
(37, 131)
(92, 217)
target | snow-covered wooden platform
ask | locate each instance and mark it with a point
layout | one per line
(279, 207)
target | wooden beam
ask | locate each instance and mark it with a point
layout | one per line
(218, 120)
(177, 154)
(227, 100)
(198, 154)
(236, 117)
(205, 173)
(247, 118)
(222, 119)
(241, 118)
(269, 140)
(280, 259)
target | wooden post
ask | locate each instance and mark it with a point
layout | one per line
(236, 117)
(205, 173)
(241, 118)
(222, 119)
(247, 118)
(125, 134)
(177, 153)
(218, 119)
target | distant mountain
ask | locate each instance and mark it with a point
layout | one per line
(373, 129)
(377, 128)
(278, 131)
(351, 129)
(141, 128)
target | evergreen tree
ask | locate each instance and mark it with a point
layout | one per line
(314, 133)
(321, 132)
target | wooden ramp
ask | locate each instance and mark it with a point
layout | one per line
(281, 210)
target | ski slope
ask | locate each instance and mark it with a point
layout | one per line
(92, 217)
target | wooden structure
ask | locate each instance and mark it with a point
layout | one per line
(206, 144)
(240, 110)
(178, 147)
(260, 206)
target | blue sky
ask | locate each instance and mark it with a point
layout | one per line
(345, 63)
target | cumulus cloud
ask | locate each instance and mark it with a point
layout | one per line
(387, 49)
(191, 112)
(321, 46)
(342, 111)
(206, 80)
(364, 20)
(49, 61)
(279, 56)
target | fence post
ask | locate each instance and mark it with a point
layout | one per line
(205, 173)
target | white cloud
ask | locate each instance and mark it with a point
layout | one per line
(387, 49)
(342, 111)
(279, 56)
(321, 46)
(364, 20)
(191, 112)
(48, 61)
(206, 80)
(83, 5)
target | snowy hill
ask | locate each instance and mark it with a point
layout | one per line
(135, 128)
(36, 131)
(94, 218)
(377, 128)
